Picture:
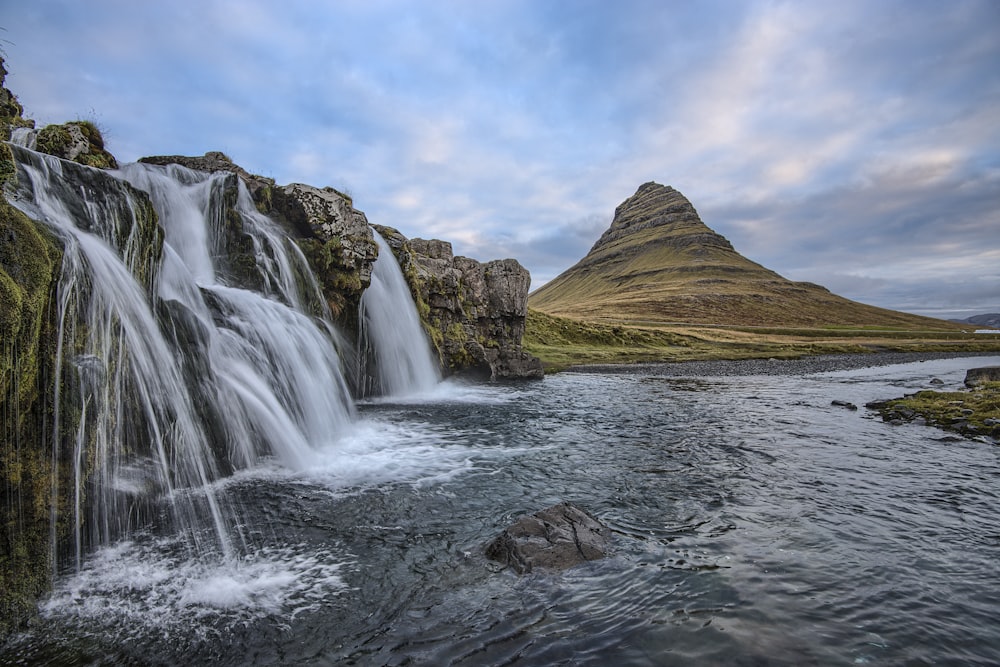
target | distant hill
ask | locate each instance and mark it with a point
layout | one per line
(658, 263)
(985, 320)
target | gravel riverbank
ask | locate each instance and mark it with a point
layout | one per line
(802, 366)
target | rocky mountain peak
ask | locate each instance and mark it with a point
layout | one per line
(658, 262)
(657, 214)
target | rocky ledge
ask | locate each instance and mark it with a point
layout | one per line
(473, 312)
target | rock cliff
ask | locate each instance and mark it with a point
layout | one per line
(473, 312)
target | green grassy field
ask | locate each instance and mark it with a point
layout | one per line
(560, 342)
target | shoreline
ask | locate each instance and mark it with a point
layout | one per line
(801, 366)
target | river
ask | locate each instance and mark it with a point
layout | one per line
(753, 522)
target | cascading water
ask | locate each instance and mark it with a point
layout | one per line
(173, 374)
(395, 353)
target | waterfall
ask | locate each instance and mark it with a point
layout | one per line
(175, 368)
(24, 136)
(395, 352)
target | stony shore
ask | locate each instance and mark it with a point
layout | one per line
(801, 366)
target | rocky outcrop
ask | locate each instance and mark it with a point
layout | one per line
(978, 376)
(475, 312)
(336, 239)
(556, 538)
(76, 141)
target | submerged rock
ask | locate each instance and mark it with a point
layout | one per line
(556, 538)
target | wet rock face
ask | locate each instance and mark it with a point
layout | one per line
(556, 538)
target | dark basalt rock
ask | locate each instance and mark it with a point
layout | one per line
(556, 538)
(977, 376)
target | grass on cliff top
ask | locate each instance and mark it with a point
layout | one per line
(561, 342)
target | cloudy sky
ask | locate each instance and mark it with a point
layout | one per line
(855, 144)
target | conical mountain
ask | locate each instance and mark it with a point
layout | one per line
(659, 263)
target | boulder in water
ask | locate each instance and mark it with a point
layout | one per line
(977, 376)
(556, 538)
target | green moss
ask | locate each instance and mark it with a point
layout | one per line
(58, 140)
(53, 140)
(263, 198)
(341, 284)
(8, 170)
(29, 259)
(974, 412)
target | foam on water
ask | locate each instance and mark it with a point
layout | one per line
(132, 587)
(450, 391)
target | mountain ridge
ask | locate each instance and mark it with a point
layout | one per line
(984, 319)
(659, 262)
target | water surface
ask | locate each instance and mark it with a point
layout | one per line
(754, 523)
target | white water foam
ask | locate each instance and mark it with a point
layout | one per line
(134, 586)
(449, 392)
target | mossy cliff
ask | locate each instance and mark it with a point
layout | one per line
(35, 466)
(29, 261)
(29, 267)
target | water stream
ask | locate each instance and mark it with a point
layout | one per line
(754, 523)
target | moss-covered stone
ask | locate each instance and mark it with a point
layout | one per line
(79, 141)
(971, 413)
(29, 264)
(339, 280)
(8, 170)
(11, 115)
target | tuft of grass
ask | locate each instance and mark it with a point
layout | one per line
(972, 413)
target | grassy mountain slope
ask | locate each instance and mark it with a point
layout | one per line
(659, 263)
